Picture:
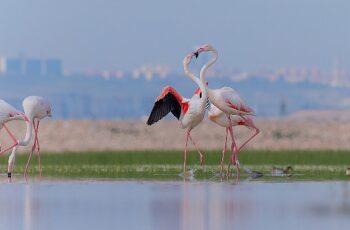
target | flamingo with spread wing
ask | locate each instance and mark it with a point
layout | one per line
(190, 112)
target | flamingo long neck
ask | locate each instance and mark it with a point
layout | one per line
(207, 65)
(28, 135)
(198, 82)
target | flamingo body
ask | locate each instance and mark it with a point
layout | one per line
(229, 101)
(219, 117)
(194, 114)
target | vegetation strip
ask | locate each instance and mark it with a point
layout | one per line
(307, 165)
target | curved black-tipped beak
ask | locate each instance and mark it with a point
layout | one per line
(196, 54)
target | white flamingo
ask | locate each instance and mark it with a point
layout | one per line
(218, 117)
(35, 108)
(190, 112)
(225, 99)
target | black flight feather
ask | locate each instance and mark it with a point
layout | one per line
(162, 107)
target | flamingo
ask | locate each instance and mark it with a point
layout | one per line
(218, 117)
(190, 112)
(35, 108)
(9, 113)
(225, 99)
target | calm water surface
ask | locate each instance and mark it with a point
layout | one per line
(174, 205)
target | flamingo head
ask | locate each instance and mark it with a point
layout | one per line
(44, 110)
(48, 112)
(36, 107)
(203, 48)
(188, 58)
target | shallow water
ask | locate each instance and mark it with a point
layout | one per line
(174, 205)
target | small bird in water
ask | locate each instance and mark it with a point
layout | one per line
(253, 174)
(347, 172)
(282, 172)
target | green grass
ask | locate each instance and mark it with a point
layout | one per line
(165, 165)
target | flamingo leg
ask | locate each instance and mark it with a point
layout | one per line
(223, 153)
(15, 142)
(185, 152)
(38, 146)
(199, 152)
(28, 162)
(257, 131)
(31, 152)
(12, 157)
(10, 164)
(236, 165)
(233, 158)
(229, 162)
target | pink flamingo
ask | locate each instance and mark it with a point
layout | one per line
(9, 113)
(35, 108)
(225, 99)
(190, 112)
(219, 117)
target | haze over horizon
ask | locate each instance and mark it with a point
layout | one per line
(126, 34)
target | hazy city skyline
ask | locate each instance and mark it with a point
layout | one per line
(126, 34)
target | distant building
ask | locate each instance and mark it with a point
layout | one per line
(53, 67)
(283, 108)
(33, 67)
(14, 66)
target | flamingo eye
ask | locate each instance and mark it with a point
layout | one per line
(11, 115)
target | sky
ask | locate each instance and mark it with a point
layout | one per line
(124, 34)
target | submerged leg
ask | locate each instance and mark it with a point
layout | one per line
(199, 152)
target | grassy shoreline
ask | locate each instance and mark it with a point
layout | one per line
(165, 165)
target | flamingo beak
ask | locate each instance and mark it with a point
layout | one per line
(198, 51)
(48, 113)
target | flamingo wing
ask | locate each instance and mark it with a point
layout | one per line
(234, 101)
(168, 101)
